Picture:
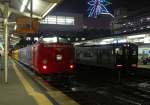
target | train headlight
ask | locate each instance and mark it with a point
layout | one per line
(119, 66)
(71, 66)
(44, 67)
(59, 57)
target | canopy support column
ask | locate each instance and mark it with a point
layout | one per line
(6, 14)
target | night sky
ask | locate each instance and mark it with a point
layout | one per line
(80, 6)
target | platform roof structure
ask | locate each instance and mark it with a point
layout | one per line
(11, 9)
(18, 8)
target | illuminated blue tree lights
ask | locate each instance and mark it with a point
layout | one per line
(97, 7)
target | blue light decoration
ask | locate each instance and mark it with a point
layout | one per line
(97, 7)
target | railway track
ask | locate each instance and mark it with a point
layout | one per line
(129, 91)
(107, 90)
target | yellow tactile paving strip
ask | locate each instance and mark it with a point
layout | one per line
(40, 98)
(60, 98)
(54, 93)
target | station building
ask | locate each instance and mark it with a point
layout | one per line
(75, 26)
(131, 27)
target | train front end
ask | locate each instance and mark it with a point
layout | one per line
(57, 57)
(126, 56)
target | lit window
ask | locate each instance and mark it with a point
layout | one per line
(51, 19)
(69, 21)
(60, 20)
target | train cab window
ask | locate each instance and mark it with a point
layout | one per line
(49, 40)
(118, 51)
(88, 54)
(53, 40)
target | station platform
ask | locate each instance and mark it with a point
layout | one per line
(21, 89)
(146, 66)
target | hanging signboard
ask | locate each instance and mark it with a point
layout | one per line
(26, 25)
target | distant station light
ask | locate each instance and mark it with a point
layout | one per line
(36, 39)
(28, 38)
(68, 39)
(136, 36)
(83, 38)
(148, 27)
(77, 39)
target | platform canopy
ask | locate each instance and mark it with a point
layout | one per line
(20, 8)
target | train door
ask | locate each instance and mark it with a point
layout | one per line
(131, 55)
(111, 57)
(126, 56)
(119, 56)
(99, 55)
(34, 56)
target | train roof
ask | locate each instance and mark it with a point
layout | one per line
(112, 44)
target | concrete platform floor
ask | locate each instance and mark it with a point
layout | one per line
(14, 92)
(23, 90)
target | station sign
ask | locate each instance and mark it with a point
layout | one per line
(26, 25)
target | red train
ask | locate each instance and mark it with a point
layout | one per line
(49, 56)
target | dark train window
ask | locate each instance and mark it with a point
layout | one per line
(88, 54)
(126, 51)
(133, 51)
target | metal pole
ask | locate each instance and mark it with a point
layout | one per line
(6, 14)
(6, 48)
(31, 8)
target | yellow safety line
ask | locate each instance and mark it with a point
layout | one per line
(40, 98)
(61, 98)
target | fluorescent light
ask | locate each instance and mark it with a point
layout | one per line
(23, 5)
(141, 40)
(50, 40)
(148, 27)
(35, 4)
(111, 39)
(147, 40)
(15, 27)
(83, 38)
(103, 43)
(136, 36)
(122, 41)
(49, 10)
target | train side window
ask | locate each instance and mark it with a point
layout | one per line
(112, 52)
(118, 51)
(134, 53)
(126, 51)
